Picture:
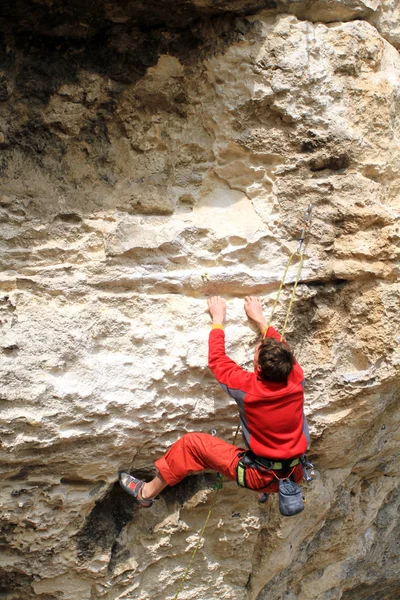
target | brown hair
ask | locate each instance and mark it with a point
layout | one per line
(275, 359)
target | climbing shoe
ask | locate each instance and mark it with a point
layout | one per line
(262, 498)
(133, 486)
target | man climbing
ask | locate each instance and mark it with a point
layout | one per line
(270, 401)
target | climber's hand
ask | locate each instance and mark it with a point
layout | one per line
(253, 308)
(217, 309)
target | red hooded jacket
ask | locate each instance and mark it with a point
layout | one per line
(271, 414)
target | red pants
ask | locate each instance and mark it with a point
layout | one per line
(199, 451)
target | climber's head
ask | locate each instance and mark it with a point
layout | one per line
(273, 360)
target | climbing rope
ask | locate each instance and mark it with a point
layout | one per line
(236, 434)
(218, 485)
(300, 252)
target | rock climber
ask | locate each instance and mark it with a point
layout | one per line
(270, 401)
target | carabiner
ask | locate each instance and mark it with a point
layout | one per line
(307, 222)
(308, 215)
(308, 476)
(307, 466)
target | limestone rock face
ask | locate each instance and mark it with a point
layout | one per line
(151, 157)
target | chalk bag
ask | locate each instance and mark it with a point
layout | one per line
(290, 498)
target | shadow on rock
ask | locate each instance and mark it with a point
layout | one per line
(110, 514)
(105, 522)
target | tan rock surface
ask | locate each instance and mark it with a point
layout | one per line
(133, 188)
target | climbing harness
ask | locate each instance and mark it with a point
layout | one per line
(250, 460)
(291, 500)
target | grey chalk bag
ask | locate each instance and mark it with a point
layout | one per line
(290, 498)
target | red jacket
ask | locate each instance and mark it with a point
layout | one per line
(271, 414)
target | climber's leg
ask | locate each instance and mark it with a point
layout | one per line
(196, 452)
(154, 487)
(262, 498)
(192, 453)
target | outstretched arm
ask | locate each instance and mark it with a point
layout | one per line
(253, 308)
(228, 373)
